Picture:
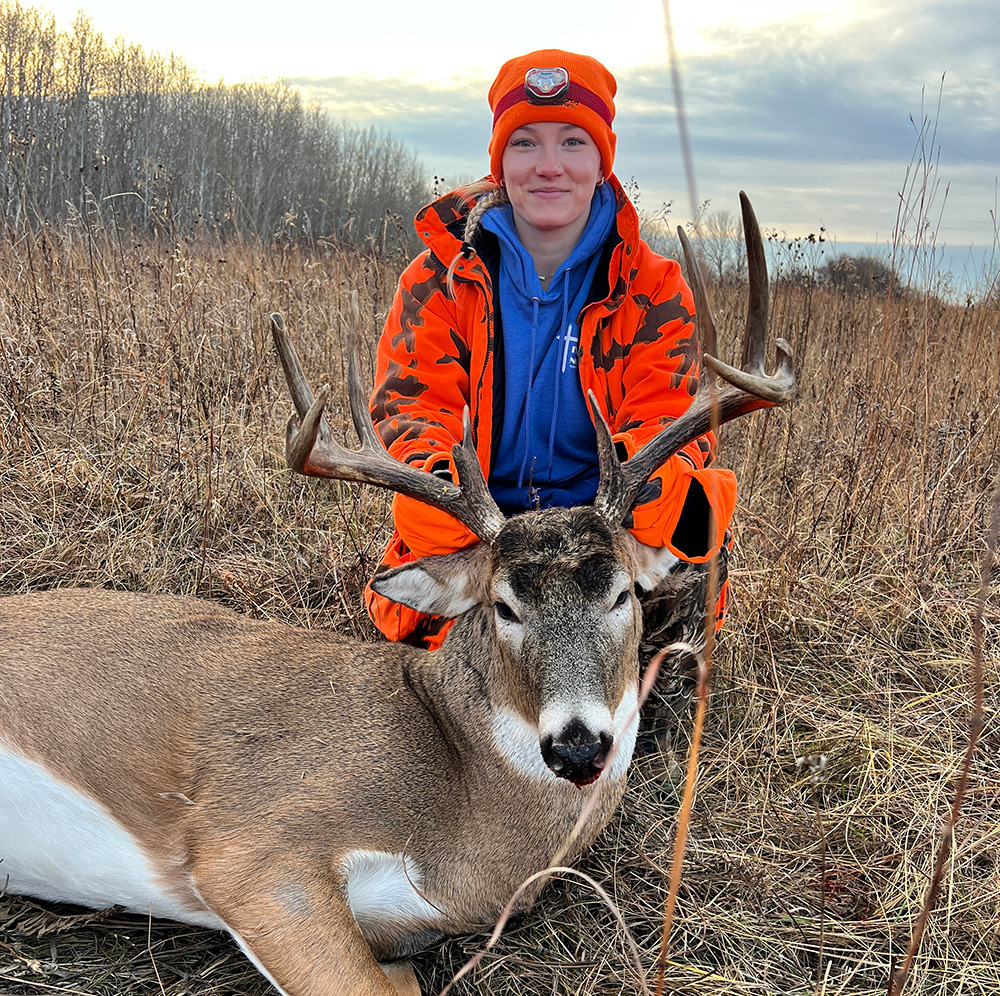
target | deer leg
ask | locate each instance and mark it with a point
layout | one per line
(296, 927)
(402, 976)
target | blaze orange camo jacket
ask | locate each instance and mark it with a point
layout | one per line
(638, 353)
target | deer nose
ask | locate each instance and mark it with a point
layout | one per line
(577, 754)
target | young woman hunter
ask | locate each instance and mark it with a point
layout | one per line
(534, 289)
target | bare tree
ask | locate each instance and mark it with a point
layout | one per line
(722, 245)
(94, 131)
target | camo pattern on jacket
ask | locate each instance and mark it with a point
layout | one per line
(638, 353)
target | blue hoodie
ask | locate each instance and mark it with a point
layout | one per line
(547, 452)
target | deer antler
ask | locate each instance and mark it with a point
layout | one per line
(311, 449)
(746, 390)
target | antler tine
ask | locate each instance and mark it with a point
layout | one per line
(357, 392)
(310, 448)
(298, 386)
(779, 389)
(476, 495)
(612, 499)
(755, 338)
(746, 390)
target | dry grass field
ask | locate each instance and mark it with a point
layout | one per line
(141, 447)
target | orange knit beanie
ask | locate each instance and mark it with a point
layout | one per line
(553, 85)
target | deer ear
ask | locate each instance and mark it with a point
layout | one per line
(445, 585)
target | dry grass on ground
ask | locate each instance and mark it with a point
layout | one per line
(141, 418)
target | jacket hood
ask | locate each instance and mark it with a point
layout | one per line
(440, 225)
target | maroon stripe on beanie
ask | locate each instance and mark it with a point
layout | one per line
(576, 91)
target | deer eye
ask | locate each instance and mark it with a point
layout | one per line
(505, 612)
(622, 598)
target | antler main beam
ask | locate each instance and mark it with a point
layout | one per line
(311, 449)
(745, 390)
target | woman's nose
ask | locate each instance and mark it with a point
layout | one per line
(549, 163)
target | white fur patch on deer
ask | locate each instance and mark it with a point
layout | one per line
(61, 845)
(625, 723)
(383, 886)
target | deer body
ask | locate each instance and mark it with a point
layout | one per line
(298, 788)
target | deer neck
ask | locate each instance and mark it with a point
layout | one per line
(451, 685)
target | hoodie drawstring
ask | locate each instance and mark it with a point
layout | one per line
(562, 372)
(527, 399)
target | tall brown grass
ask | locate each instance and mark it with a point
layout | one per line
(141, 424)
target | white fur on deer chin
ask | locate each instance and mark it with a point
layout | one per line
(625, 723)
(517, 741)
(88, 858)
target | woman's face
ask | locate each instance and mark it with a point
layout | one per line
(550, 169)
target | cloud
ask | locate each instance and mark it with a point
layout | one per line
(448, 124)
(794, 91)
(820, 128)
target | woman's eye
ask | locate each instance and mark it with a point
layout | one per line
(505, 612)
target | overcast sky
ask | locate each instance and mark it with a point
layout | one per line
(813, 106)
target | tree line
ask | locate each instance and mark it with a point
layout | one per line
(111, 133)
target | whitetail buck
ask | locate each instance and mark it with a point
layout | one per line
(336, 805)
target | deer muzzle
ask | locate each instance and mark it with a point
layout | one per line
(577, 753)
